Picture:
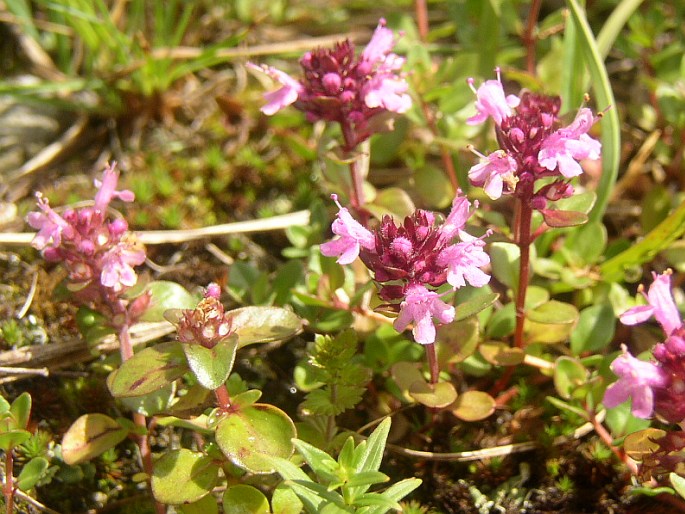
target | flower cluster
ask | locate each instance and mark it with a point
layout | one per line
(533, 144)
(98, 252)
(655, 387)
(207, 324)
(341, 87)
(410, 260)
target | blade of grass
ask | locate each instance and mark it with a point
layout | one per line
(611, 136)
(615, 22)
(573, 71)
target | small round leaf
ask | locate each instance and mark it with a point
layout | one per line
(437, 395)
(569, 374)
(245, 499)
(501, 354)
(31, 473)
(90, 436)
(183, 476)
(264, 324)
(473, 406)
(212, 366)
(250, 436)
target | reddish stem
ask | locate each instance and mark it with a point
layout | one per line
(357, 193)
(528, 39)
(422, 19)
(126, 351)
(605, 436)
(432, 362)
(8, 488)
(523, 240)
(223, 398)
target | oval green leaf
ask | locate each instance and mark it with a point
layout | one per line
(245, 499)
(569, 374)
(554, 313)
(473, 406)
(252, 435)
(595, 329)
(31, 473)
(405, 374)
(264, 324)
(183, 476)
(474, 305)
(212, 366)
(10, 439)
(90, 436)
(148, 370)
(501, 354)
(436, 396)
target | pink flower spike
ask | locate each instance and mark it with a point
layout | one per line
(490, 101)
(286, 95)
(457, 218)
(50, 225)
(353, 237)
(661, 306)
(493, 172)
(107, 189)
(637, 380)
(420, 306)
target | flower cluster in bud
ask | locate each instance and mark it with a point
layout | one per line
(341, 87)
(98, 252)
(654, 386)
(206, 324)
(409, 261)
(533, 144)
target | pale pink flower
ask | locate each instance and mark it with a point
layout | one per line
(353, 237)
(493, 172)
(457, 218)
(660, 305)
(464, 260)
(107, 189)
(50, 225)
(117, 265)
(637, 380)
(380, 45)
(491, 101)
(419, 307)
(289, 92)
(568, 145)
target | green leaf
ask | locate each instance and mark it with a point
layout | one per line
(21, 410)
(621, 421)
(569, 374)
(183, 476)
(205, 505)
(473, 406)
(611, 135)
(32, 472)
(657, 240)
(393, 201)
(10, 439)
(264, 324)
(437, 395)
(252, 436)
(398, 491)
(89, 436)
(285, 501)
(559, 219)
(166, 295)
(212, 366)
(505, 263)
(553, 313)
(595, 329)
(245, 499)
(372, 456)
(148, 370)
(321, 463)
(295, 480)
(560, 404)
(501, 354)
(474, 305)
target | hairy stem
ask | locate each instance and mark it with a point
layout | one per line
(126, 350)
(523, 241)
(432, 356)
(8, 489)
(223, 399)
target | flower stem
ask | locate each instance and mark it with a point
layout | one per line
(523, 240)
(605, 436)
(528, 39)
(126, 351)
(223, 398)
(8, 488)
(431, 354)
(422, 19)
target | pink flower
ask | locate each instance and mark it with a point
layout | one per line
(660, 305)
(420, 306)
(289, 92)
(353, 237)
(117, 264)
(490, 101)
(457, 218)
(464, 260)
(50, 225)
(493, 172)
(568, 145)
(387, 92)
(382, 42)
(107, 189)
(637, 380)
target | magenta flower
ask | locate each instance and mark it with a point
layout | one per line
(353, 237)
(107, 189)
(660, 305)
(491, 102)
(117, 265)
(342, 87)
(493, 172)
(637, 380)
(568, 145)
(419, 307)
(50, 225)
